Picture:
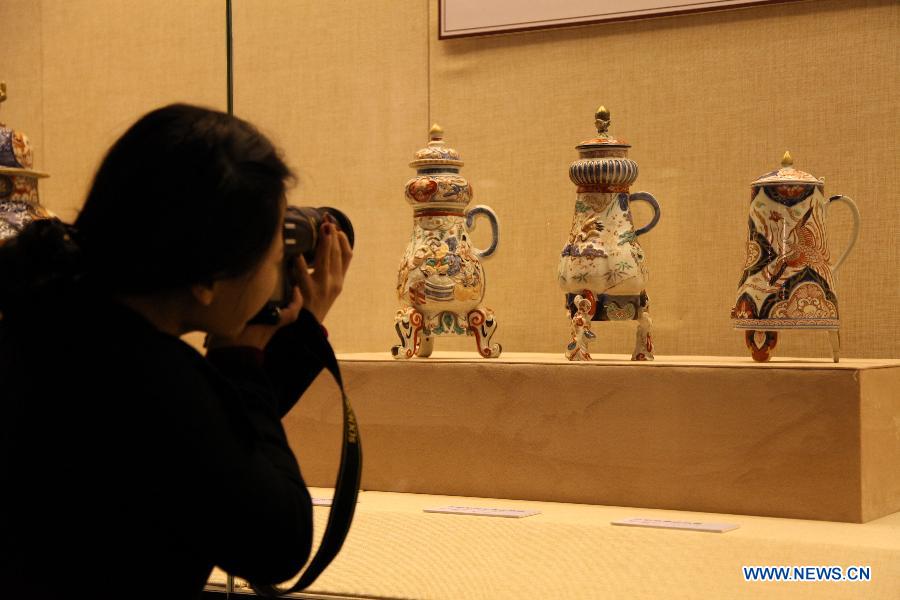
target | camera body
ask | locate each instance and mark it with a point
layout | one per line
(302, 225)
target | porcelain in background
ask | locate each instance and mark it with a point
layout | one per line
(601, 268)
(789, 279)
(441, 282)
(19, 202)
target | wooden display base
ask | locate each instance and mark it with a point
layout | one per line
(805, 439)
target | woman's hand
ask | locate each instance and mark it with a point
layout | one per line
(322, 287)
(258, 335)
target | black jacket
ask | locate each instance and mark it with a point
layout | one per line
(129, 459)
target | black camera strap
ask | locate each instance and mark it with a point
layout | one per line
(346, 490)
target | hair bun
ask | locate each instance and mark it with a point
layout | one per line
(38, 264)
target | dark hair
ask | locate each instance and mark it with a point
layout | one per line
(187, 195)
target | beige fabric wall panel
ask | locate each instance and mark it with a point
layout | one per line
(709, 102)
(107, 62)
(342, 89)
(20, 68)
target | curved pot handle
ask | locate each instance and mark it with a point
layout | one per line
(649, 199)
(855, 212)
(495, 228)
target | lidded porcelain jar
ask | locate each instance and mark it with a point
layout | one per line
(19, 202)
(788, 278)
(441, 282)
(601, 267)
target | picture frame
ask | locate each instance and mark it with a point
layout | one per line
(467, 18)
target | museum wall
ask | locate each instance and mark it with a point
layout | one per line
(708, 101)
(86, 69)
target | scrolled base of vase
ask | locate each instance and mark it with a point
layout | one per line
(417, 331)
(408, 325)
(762, 343)
(482, 325)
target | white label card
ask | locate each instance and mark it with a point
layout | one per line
(483, 512)
(667, 524)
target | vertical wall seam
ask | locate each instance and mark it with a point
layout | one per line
(428, 65)
(229, 58)
(44, 167)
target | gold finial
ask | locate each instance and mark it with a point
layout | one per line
(2, 91)
(436, 132)
(601, 120)
(787, 160)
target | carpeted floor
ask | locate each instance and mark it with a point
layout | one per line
(395, 550)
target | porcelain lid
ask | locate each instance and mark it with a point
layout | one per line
(786, 174)
(16, 155)
(436, 153)
(603, 139)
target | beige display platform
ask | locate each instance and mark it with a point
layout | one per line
(571, 551)
(806, 439)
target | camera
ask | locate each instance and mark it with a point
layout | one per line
(302, 225)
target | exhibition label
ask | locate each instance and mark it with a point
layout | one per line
(668, 524)
(483, 512)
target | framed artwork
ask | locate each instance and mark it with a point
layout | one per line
(462, 18)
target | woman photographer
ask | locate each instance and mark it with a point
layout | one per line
(129, 460)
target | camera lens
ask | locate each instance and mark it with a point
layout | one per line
(301, 235)
(301, 229)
